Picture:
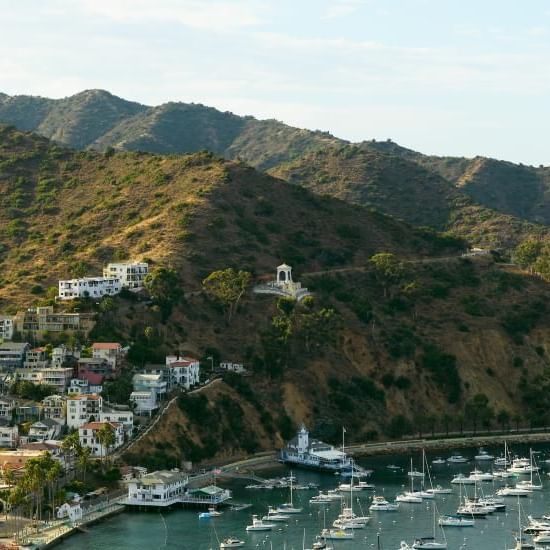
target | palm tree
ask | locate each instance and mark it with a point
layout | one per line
(83, 460)
(106, 438)
(53, 473)
(446, 419)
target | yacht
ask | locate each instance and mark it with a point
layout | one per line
(415, 473)
(438, 490)
(483, 455)
(530, 484)
(493, 502)
(259, 525)
(457, 459)
(359, 486)
(412, 496)
(380, 504)
(536, 526)
(513, 492)
(393, 467)
(503, 474)
(456, 521)
(522, 466)
(334, 494)
(543, 537)
(274, 515)
(212, 513)
(439, 460)
(337, 534)
(461, 479)
(321, 498)
(232, 542)
(478, 475)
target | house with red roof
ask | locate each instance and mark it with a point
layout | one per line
(88, 437)
(110, 351)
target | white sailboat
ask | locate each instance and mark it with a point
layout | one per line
(348, 519)
(410, 497)
(428, 543)
(529, 484)
(288, 507)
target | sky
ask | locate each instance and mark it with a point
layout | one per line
(445, 77)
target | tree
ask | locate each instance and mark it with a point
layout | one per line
(227, 287)
(503, 418)
(527, 252)
(446, 420)
(83, 460)
(478, 410)
(106, 438)
(388, 269)
(164, 286)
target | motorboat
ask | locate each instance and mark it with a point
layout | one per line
(349, 520)
(380, 504)
(478, 475)
(259, 525)
(426, 543)
(415, 473)
(438, 490)
(457, 459)
(321, 499)
(456, 521)
(530, 484)
(274, 515)
(493, 502)
(393, 467)
(211, 513)
(513, 492)
(522, 466)
(483, 455)
(321, 545)
(461, 479)
(501, 461)
(334, 494)
(337, 534)
(542, 538)
(536, 526)
(231, 542)
(410, 498)
(438, 461)
(503, 474)
(360, 486)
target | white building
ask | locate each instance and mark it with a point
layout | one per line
(150, 382)
(6, 327)
(58, 378)
(44, 430)
(88, 437)
(183, 371)
(88, 287)
(131, 275)
(9, 437)
(145, 401)
(71, 511)
(59, 356)
(81, 408)
(162, 488)
(126, 418)
(233, 367)
(12, 354)
(83, 386)
(283, 285)
(110, 351)
(7, 407)
(54, 408)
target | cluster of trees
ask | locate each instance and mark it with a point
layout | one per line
(227, 287)
(534, 255)
(28, 390)
(164, 286)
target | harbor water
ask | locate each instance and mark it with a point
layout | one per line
(182, 529)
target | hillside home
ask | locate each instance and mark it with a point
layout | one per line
(88, 287)
(57, 378)
(54, 408)
(145, 401)
(6, 409)
(108, 351)
(124, 417)
(44, 430)
(12, 354)
(82, 408)
(162, 488)
(131, 275)
(36, 358)
(81, 385)
(40, 320)
(60, 356)
(183, 371)
(150, 382)
(7, 325)
(9, 437)
(88, 437)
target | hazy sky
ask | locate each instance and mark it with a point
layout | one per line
(457, 77)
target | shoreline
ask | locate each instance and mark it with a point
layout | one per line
(268, 459)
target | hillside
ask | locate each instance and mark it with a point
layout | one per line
(381, 348)
(486, 200)
(386, 178)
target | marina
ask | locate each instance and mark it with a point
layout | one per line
(388, 524)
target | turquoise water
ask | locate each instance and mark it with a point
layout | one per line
(183, 530)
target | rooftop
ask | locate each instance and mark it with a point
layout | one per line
(161, 477)
(98, 425)
(106, 345)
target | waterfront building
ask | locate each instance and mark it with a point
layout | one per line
(71, 511)
(131, 275)
(88, 287)
(283, 285)
(88, 437)
(81, 409)
(311, 453)
(162, 488)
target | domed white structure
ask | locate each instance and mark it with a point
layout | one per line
(283, 285)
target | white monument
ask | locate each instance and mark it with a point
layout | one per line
(283, 285)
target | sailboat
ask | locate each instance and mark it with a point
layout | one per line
(288, 507)
(520, 543)
(347, 519)
(529, 485)
(411, 496)
(427, 543)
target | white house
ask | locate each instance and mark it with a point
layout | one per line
(6, 327)
(283, 285)
(150, 382)
(145, 401)
(110, 351)
(54, 408)
(81, 408)
(183, 371)
(131, 275)
(162, 488)
(83, 386)
(124, 417)
(44, 430)
(9, 437)
(36, 358)
(71, 511)
(59, 356)
(233, 367)
(88, 287)
(88, 437)
(6, 409)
